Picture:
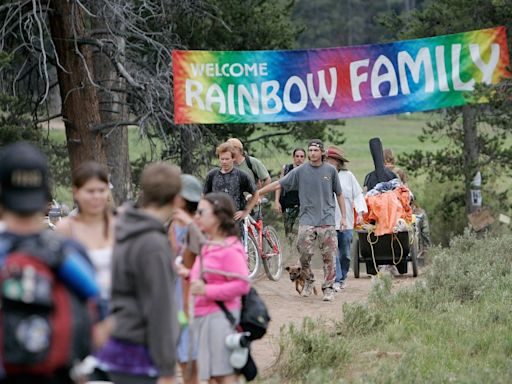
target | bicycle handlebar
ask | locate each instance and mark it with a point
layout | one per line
(250, 219)
(261, 201)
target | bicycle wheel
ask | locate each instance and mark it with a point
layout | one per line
(253, 257)
(273, 254)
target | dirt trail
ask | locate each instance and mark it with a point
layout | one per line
(286, 307)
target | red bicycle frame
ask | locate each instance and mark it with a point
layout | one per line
(258, 226)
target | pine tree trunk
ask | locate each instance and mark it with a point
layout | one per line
(187, 145)
(80, 108)
(113, 108)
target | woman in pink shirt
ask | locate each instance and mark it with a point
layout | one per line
(219, 274)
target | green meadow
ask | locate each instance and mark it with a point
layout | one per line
(138, 144)
(399, 133)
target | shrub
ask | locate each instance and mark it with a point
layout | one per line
(453, 325)
(444, 205)
(313, 346)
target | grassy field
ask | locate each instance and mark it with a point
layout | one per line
(399, 133)
(138, 145)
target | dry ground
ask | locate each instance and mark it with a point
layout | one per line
(286, 307)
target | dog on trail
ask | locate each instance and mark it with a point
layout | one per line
(298, 275)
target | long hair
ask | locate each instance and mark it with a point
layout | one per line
(299, 149)
(90, 170)
(224, 209)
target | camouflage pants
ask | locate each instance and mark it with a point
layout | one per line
(328, 244)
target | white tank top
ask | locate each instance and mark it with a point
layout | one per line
(102, 261)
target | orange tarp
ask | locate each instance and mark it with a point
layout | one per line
(386, 208)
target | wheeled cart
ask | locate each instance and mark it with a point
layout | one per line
(397, 249)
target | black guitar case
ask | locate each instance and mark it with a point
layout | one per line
(381, 173)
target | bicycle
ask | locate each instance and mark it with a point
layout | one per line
(262, 246)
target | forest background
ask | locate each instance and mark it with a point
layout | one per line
(103, 69)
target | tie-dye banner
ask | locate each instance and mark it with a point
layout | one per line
(319, 84)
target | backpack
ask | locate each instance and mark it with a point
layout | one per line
(249, 165)
(44, 325)
(248, 161)
(254, 316)
(288, 199)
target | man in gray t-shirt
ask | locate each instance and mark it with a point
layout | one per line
(317, 183)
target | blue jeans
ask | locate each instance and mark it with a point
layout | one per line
(343, 257)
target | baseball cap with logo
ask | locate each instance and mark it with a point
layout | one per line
(316, 143)
(24, 186)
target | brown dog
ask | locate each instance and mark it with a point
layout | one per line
(298, 276)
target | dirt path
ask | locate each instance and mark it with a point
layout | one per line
(286, 306)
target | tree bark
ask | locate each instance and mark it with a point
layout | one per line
(187, 145)
(80, 108)
(471, 151)
(113, 108)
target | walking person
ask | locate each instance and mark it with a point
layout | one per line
(354, 202)
(34, 350)
(318, 184)
(232, 181)
(93, 225)
(288, 203)
(179, 236)
(389, 163)
(257, 172)
(143, 301)
(219, 274)
(381, 172)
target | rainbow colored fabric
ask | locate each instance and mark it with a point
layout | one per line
(319, 84)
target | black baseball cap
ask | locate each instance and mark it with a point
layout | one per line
(316, 143)
(24, 186)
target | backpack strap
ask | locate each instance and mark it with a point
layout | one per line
(209, 180)
(54, 244)
(287, 169)
(249, 165)
(228, 314)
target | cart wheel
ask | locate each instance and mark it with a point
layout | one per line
(355, 257)
(370, 268)
(414, 258)
(402, 267)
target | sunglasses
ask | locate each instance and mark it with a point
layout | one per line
(201, 211)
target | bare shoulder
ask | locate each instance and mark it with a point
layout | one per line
(64, 226)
